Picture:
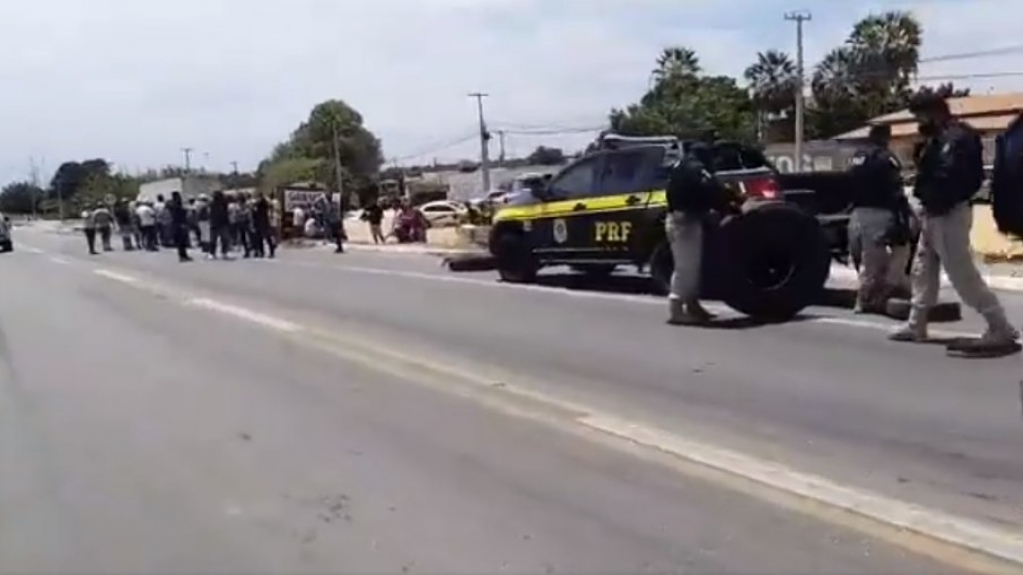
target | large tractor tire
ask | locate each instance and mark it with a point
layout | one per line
(771, 261)
(513, 257)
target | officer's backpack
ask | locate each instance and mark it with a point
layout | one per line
(1007, 179)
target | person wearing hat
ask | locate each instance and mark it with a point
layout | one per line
(950, 172)
(879, 219)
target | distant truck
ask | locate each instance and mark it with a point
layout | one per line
(189, 186)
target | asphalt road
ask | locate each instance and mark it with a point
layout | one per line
(374, 413)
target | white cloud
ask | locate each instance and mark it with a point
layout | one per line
(135, 80)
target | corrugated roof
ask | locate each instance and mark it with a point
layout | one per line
(988, 104)
(909, 128)
(987, 112)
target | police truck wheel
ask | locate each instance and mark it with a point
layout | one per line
(515, 261)
(775, 263)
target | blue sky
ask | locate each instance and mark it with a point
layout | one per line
(134, 81)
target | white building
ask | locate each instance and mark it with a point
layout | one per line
(189, 186)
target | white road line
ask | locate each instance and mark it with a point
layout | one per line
(935, 524)
(59, 260)
(117, 276)
(246, 314)
(932, 523)
(32, 250)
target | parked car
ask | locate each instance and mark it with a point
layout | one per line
(443, 213)
(6, 244)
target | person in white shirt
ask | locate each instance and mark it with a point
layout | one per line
(147, 223)
(104, 222)
(89, 227)
(298, 221)
(163, 224)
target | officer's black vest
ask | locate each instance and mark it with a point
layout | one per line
(1007, 179)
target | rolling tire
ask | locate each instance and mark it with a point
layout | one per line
(943, 312)
(514, 259)
(595, 270)
(661, 267)
(7, 246)
(776, 260)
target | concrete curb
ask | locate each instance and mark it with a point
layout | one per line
(411, 250)
(997, 282)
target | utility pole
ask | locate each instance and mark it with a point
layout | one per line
(799, 17)
(484, 142)
(501, 158)
(188, 159)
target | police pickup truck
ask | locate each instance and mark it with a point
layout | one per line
(767, 258)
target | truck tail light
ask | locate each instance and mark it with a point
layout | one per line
(764, 188)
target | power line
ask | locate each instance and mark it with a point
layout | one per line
(556, 131)
(437, 147)
(977, 76)
(1005, 50)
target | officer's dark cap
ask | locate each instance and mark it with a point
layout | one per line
(880, 132)
(928, 102)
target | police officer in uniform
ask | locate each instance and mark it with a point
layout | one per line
(692, 193)
(951, 170)
(880, 218)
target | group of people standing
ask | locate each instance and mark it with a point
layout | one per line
(216, 223)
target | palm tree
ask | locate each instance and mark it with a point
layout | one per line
(773, 82)
(887, 52)
(676, 62)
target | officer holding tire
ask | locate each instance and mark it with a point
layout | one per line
(692, 192)
(950, 171)
(880, 218)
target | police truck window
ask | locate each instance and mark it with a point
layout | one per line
(578, 180)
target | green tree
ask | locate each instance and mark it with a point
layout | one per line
(545, 156)
(21, 198)
(309, 153)
(869, 75)
(685, 102)
(677, 62)
(290, 171)
(773, 83)
(97, 187)
(71, 176)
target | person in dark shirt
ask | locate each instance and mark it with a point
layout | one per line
(262, 236)
(220, 225)
(692, 193)
(880, 217)
(123, 217)
(178, 216)
(374, 215)
(950, 172)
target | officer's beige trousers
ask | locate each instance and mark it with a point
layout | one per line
(871, 226)
(945, 242)
(685, 236)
